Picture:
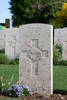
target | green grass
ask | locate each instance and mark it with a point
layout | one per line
(8, 99)
(7, 71)
(60, 75)
(60, 78)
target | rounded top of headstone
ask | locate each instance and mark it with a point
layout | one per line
(35, 25)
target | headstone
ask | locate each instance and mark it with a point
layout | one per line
(35, 62)
(12, 43)
(58, 36)
(64, 46)
(2, 39)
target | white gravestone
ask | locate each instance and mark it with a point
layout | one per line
(64, 46)
(35, 62)
(12, 43)
(58, 38)
(2, 39)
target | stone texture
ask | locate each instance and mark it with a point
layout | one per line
(35, 61)
(58, 36)
(12, 41)
(64, 51)
(2, 39)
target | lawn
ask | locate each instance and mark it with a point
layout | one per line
(60, 76)
(8, 99)
(7, 71)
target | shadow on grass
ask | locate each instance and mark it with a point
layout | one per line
(63, 92)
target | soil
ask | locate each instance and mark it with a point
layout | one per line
(39, 97)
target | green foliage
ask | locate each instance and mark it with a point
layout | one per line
(22, 11)
(33, 11)
(59, 48)
(4, 86)
(14, 61)
(55, 56)
(62, 15)
(7, 71)
(0, 85)
(3, 59)
(2, 51)
(7, 22)
(25, 92)
(62, 62)
(55, 25)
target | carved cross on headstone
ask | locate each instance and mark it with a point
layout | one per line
(35, 53)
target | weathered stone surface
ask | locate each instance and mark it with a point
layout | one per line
(35, 61)
(12, 41)
(2, 39)
(58, 39)
(64, 50)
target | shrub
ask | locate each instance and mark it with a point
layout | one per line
(61, 16)
(2, 51)
(17, 91)
(14, 91)
(3, 59)
(55, 56)
(4, 86)
(25, 92)
(7, 23)
(59, 48)
(14, 61)
(62, 62)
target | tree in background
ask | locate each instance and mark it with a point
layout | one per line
(7, 23)
(62, 15)
(33, 11)
(22, 11)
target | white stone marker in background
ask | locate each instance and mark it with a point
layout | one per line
(58, 39)
(35, 62)
(2, 39)
(64, 47)
(12, 41)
